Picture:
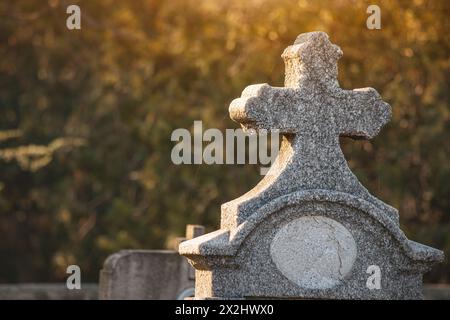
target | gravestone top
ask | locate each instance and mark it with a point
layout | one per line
(192, 231)
(311, 86)
(312, 111)
(309, 229)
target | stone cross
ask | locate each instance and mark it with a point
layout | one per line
(309, 229)
(311, 111)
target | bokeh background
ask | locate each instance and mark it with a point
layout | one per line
(86, 118)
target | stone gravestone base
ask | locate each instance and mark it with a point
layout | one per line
(311, 245)
(309, 229)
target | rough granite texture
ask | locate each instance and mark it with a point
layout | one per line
(309, 204)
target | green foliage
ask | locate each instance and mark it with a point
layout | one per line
(86, 118)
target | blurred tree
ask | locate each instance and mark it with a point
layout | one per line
(86, 118)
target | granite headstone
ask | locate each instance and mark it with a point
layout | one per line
(309, 229)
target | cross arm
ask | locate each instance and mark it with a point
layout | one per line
(362, 113)
(264, 107)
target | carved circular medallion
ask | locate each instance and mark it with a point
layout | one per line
(314, 252)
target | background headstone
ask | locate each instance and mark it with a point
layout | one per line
(148, 274)
(309, 229)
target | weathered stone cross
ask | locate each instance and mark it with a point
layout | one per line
(311, 112)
